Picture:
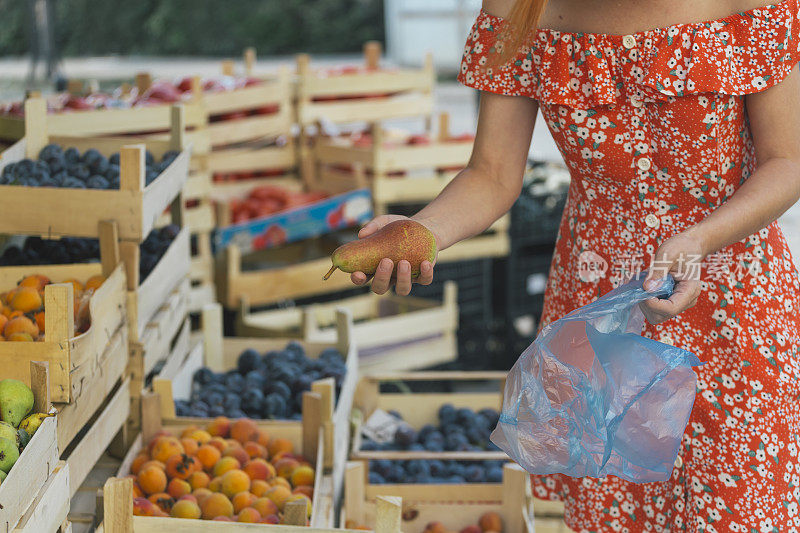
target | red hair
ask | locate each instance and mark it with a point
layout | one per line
(522, 19)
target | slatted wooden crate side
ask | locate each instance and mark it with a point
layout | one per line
(71, 357)
(308, 438)
(49, 510)
(263, 287)
(456, 506)
(38, 459)
(77, 212)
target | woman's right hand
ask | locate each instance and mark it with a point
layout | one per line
(383, 280)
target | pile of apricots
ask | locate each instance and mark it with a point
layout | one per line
(488, 523)
(229, 471)
(22, 308)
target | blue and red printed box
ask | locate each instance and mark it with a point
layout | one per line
(337, 212)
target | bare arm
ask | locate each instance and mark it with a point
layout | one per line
(478, 195)
(772, 189)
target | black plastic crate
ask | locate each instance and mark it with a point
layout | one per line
(474, 281)
(536, 215)
(522, 281)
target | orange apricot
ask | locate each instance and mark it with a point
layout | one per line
(39, 318)
(77, 286)
(278, 481)
(270, 519)
(178, 487)
(490, 521)
(181, 466)
(279, 445)
(216, 505)
(188, 431)
(259, 487)
(306, 490)
(190, 446)
(162, 500)
(152, 479)
(265, 506)
(165, 448)
(235, 481)
(471, 529)
(26, 299)
(224, 465)
(284, 467)
(200, 436)
(3, 321)
(218, 443)
(143, 507)
(199, 480)
(279, 495)
(20, 337)
(161, 434)
(254, 450)
(137, 490)
(241, 500)
(435, 527)
(244, 430)
(201, 494)
(302, 475)
(185, 509)
(263, 437)
(219, 427)
(237, 452)
(222, 519)
(208, 456)
(249, 515)
(152, 462)
(94, 283)
(259, 469)
(20, 324)
(215, 485)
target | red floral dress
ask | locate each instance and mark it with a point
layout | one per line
(654, 131)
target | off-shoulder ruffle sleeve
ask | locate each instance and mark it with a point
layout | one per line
(740, 54)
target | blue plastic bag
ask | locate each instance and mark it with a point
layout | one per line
(592, 397)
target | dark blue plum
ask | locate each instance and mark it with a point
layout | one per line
(50, 151)
(494, 475)
(405, 436)
(474, 474)
(447, 415)
(71, 182)
(376, 479)
(369, 445)
(217, 410)
(215, 398)
(248, 360)
(234, 382)
(331, 355)
(381, 466)
(252, 401)
(274, 406)
(114, 158)
(97, 182)
(437, 468)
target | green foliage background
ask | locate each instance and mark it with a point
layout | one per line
(199, 27)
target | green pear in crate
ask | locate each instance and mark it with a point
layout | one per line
(402, 239)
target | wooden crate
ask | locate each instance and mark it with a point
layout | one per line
(299, 279)
(77, 212)
(74, 359)
(494, 242)
(396, 171)
(96, 122)
(456, 506)
(49, 510)
(393, 333)
(418, 409)
(37, 462)
(307, 437)
(220, 354)
(369, 94)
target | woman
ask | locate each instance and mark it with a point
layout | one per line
(680, 123)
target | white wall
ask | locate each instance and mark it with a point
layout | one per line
(415, 27)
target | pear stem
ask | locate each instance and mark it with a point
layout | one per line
(331, 271)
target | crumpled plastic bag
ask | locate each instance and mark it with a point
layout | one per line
(592, 397)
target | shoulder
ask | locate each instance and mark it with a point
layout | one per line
(498, 8)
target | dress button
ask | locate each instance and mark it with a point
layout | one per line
(628, 41)
(651, 220)
(636, 102)
(678, 462)
(643, 163)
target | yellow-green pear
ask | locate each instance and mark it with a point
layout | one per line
(401, 239)
(16, 401)
(9, 453)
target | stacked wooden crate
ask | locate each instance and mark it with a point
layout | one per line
(400, 168)
(87, 372)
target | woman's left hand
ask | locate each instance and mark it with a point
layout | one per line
(681, 256)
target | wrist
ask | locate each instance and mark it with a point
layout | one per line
(434, 228)
(701, 236)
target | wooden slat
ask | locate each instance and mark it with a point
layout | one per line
(250, 128)
(365, 83)
(96, 440)
(232, 160)
(51, 506)
(367, 110)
